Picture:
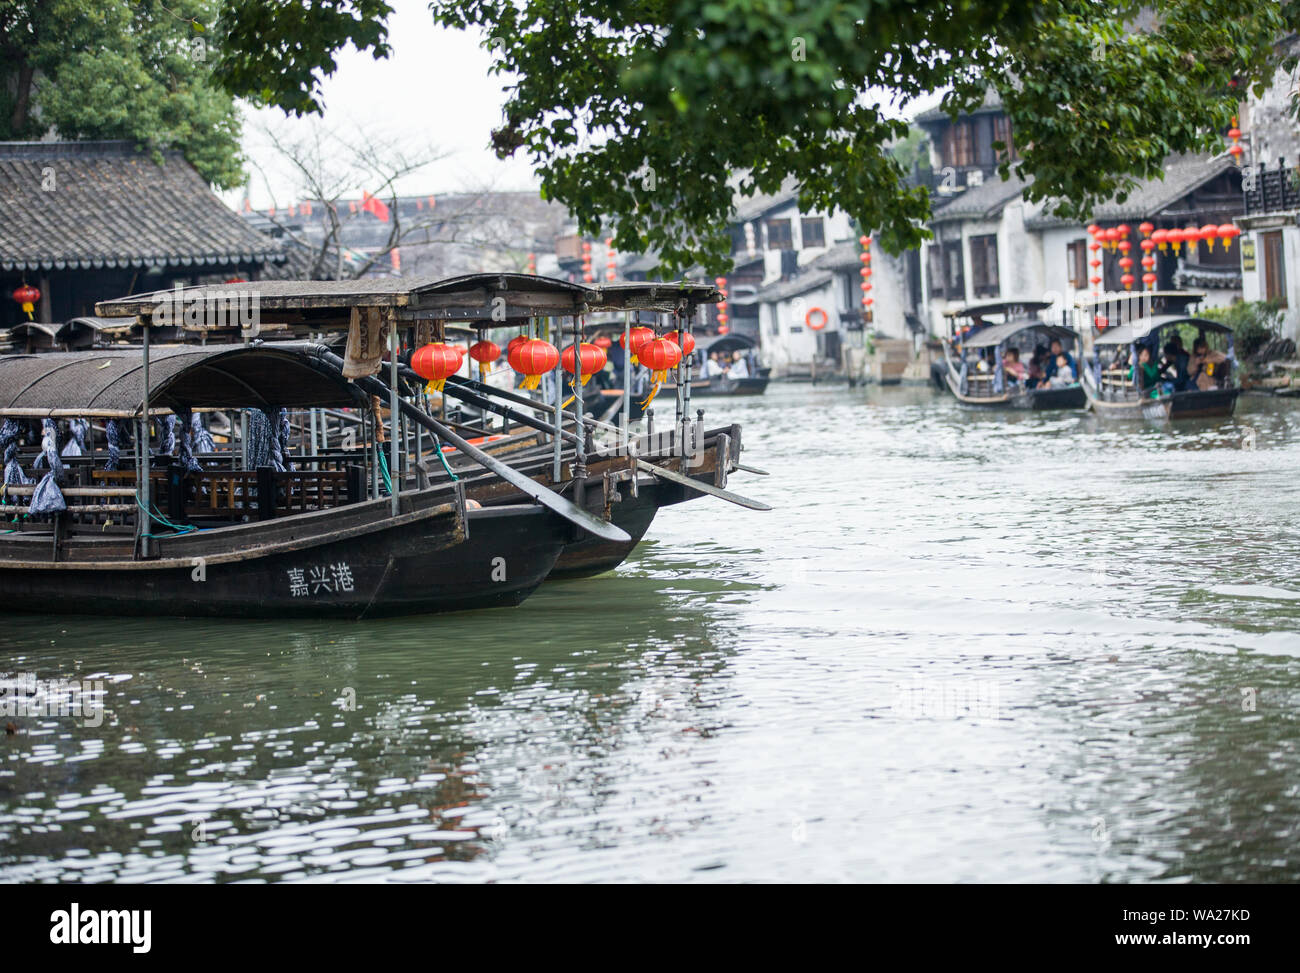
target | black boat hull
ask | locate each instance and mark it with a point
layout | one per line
(416, 564)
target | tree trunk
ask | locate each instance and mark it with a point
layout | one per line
(18, 120)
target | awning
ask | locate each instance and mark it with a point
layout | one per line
(110, 383)
(1126, 334)
(995, 334)
(985, 308)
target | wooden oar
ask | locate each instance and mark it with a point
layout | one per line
(752, 469)
(567, 509)
(674, 477)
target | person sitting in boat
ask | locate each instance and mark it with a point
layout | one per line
(739, 367)
(1036, 376)
(1057, 360)
(1206, 366)
(713, 367)
(1180, 359)
(1172, 366)
(1148, 372)
(1013, 367)
(1062, 376)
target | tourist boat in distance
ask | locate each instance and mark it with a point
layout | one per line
(1117, 389)
(755, 381)
(975, 348)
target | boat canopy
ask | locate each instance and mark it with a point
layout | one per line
(1009, 308)
(110, 383)
(995, 334)
(725, 342)
(1124, 297)
(487, 300)
(1142, 328)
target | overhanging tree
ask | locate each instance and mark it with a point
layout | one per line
(647, 116)
(118, 69)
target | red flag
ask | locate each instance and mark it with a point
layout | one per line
(375, 205)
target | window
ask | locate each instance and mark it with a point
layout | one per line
(1076, 264)
(954, 282)
(958, 146)
(814, 232)
(1274, 266)
(984, 265)
(779, 235)
(934, 269)
(1002, 133)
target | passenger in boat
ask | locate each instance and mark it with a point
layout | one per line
(1013, 367)
(1059, 361)
(1206, 367)
(712, 366)
(1148, 372)
(739, 367)
(1173, 365)
(1062, 376)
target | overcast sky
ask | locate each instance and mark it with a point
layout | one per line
(434, 89)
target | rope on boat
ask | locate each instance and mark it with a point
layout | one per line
(154, 515)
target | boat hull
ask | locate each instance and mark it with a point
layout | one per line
(1194, 404)
(418, 563)
(1071, 397)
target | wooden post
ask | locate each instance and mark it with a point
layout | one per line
(265, 492)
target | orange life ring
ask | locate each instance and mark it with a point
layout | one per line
(807, 318)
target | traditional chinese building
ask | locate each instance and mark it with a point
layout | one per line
(88, 221)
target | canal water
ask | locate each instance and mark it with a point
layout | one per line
(973, 648)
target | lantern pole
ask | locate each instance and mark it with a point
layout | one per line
(627, 375)
(558, 374)
(143, 440)
(689, 366)
(680, 378)
(580, 454)
(394, 434)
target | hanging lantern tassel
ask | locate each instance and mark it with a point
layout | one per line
(436, 363)
(660, 356)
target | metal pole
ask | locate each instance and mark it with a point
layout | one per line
(394, 464)
(580, 454)
(680, 389)
(686, 397)
(559, 418)
(314, 450)
(627, 374)
(144, 444)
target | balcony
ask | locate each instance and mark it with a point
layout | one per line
(1271, 190)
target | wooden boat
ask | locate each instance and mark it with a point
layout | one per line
(600, 493)
(1113, 392)
(254, 543)
(754, 384)
(973, 370)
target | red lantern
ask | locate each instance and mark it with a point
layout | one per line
(1094, 246)
(865, 272)
(1148, 244)
(721, 283)
(659, 356)
(1160, 238)
(1093, 229)
(639, 338)
(1127, 281)
(1146, 227)
(27, 296)
(1148, 262)
(485, 353)
(1124, 229)
(435, 363)
(1102, 322)
(602, 341)
(1124, 246)
(593, 360)
(723, 329)
(1236, 151)
(1228, 232)
(1175, 238)
(865, 241)
(1094, 264)
(1126, 262)
(683, 340)
(1208, 232)
(868, 301)
(1095, 281)
(533, 359)
(1150, 280)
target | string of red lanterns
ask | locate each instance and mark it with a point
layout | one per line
(609, 258)
(723, 317)
(864, 242)
(586, 262)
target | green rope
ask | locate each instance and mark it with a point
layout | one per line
(154, 515)
(383, 468)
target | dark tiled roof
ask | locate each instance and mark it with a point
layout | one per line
(802, 284)
(1183, 174)
(114, 206)
(982, 202)
(752, 207)
(842, 256)
(992, 102)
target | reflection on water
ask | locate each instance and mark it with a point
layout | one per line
(963, 647)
